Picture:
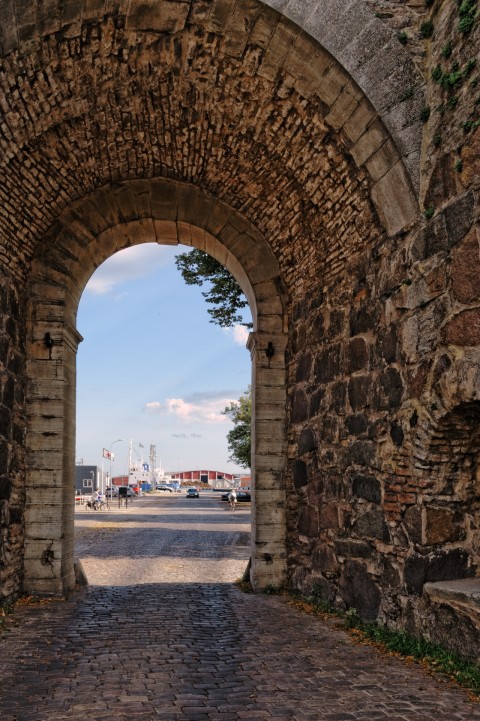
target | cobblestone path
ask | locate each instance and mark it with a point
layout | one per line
(162, 633)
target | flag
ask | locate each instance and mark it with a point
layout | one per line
(108, 454)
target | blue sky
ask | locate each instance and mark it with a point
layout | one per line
(152, 368)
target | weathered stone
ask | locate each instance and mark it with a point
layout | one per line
(316, 399)
(359, 391)
(443, 525)
(372, 525)
(4, 457)
(367, 487)
(387, 344)
(391, 575)
(442, 365)
(304, 368)
(5, 488)
(323, 590)
(359, 591)
(440, 566)
(299, 407)
(328, 516)
(324, 559)
(470, 155)
(465, 270)
(328, 364)
(412, 520)
(433, 239)
(306, 441)
(389, 390)
(442, 183)
(338, 394)
(336, 325)
(329, 429)
(363, 319)
(357, 424)
(417, 379)
(360, 453)
(308, 522)
(5, 422)
(357, 355)
(459, 218)
(463, 329)
(352, 549)
(300, 474)
(396, 434)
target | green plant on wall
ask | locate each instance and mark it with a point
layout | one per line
(468, 12)
(425, 114)
(447, 50)
(426, 29)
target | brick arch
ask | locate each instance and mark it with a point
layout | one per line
(239, 84)
(164, 212)
(443, 524)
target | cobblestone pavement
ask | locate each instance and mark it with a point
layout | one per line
(162, 633)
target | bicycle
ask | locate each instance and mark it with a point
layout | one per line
(96, 505)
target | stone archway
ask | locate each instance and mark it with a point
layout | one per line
(164, 212)
(276, 121)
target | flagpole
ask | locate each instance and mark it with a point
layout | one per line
(109, 455)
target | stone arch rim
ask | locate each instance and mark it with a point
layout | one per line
(393, 171)
(51, 391)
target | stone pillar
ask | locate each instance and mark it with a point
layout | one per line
(50, 481)
(268, 459)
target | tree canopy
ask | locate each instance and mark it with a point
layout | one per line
(239, 438)
(224, 294)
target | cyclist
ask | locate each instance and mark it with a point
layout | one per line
(232, 499)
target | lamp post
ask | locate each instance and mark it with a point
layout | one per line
(119, 440)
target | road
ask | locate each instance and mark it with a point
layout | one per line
(165, 539)
(162, 634)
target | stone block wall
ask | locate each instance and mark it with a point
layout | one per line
(12, 440)
(384, 406)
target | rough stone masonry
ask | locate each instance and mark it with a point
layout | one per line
(327, 152)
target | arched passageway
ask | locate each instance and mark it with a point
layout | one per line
(294, 163)
(284, 138)
(85, 236)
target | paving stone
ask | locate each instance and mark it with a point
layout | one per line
(149, 639)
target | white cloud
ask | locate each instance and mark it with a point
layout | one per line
(153, 406)
(239, 334)
(208, 410)
(127, 265)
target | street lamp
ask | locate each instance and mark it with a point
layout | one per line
(119, 440)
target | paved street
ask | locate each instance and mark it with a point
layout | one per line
(162, 633)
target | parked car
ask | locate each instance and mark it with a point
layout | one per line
(111, 492)
(164, 487)
(242, 496)
(192, 493)
(126, 491)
